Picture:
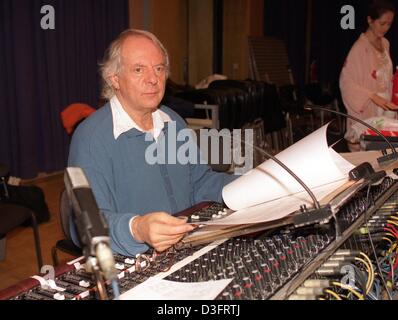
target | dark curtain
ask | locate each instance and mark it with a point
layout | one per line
(43, 71)
(286, 20)
(331, 44)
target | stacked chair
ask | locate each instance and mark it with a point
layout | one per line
(268, 61)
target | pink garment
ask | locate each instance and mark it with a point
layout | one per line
(362, 76)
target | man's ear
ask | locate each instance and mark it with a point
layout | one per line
(114, 79)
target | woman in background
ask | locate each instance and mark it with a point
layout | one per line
(366, 77)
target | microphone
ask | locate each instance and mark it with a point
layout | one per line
(307, 216)
(91, 225)
(385, 157)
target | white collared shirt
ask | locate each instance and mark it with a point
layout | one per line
(122, 122)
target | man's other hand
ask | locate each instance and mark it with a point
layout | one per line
(160, 230)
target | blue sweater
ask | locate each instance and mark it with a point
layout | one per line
(124, 184)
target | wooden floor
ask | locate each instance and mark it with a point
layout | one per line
(20, 262)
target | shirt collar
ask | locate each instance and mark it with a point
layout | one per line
(122, 122)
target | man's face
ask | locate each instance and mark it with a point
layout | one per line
(140, 84)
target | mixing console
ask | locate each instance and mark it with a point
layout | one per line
(334, 260)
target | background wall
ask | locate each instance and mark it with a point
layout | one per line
(242, 18)
(168, 21)
(186, 29)
(200, 40)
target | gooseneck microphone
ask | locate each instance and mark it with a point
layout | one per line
(385, 157)
(316, 204)
(286, 168)
(91, 225)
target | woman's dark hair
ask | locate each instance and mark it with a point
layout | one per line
(379, 7)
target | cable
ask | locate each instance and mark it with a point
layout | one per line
(392, 227)
(392, 248)
(373, 247)
(369, 280)
(391, 235)
(333, 294)
(372, 270)
(304, 266)
(387, 239)
(395, 223)
(369, 277)
(361, 281)
(354, 292)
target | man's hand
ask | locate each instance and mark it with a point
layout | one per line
(159, 229)
(383, 103)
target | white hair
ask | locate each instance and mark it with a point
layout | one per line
(112, 64)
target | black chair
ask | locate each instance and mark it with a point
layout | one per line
(14, 215)
(261, 102)
(65, 245)
(269, 62)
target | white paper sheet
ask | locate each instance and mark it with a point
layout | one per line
(276, 209)
(159, 289)
(310, 159)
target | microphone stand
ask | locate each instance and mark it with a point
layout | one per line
(92, 230)
(93, 267)
(381, 160)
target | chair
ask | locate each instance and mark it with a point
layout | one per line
(65, 245)
(188, 109)
(211, 121)
(13, 216)
(269, 62)
(71, 117)
(261, 104)
(315, 95)
(226, 107)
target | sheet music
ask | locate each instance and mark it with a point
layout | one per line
(268, 192)
(310, 159)
(276, 209)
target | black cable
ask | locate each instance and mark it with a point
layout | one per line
(361, 279)
(372, 244)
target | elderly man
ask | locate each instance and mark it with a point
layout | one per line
(138, 198)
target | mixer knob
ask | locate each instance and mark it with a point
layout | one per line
(227, 295)
(248, 288)
(237, 291)
(297, 253)
(283, 264)
(275, 269)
